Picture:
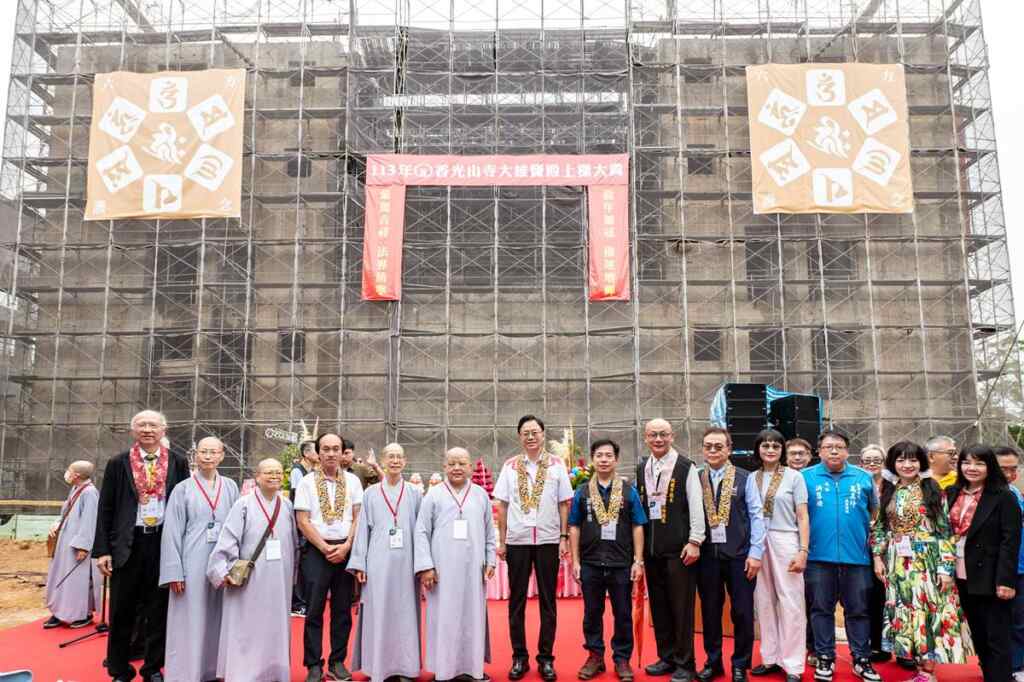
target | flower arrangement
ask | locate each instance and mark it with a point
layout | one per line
(580, 474)
(571, 455)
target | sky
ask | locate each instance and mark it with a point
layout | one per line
(1003, 28)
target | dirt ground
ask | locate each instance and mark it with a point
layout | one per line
(23, 566)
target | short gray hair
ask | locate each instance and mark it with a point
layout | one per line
(158, 415)
(935, 443)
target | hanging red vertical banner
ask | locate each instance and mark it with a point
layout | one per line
(382, 242)
(608, 243)
(606, 177)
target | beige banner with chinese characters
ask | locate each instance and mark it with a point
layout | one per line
(166, 145)
(829, 138)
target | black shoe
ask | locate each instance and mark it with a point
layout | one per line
(547, 671)
(905, 663)
(739, 675)
(155, 677)
(52, 622)
(83, 623)
(759, 670)
(863, 669)
(710, 672)
(520, 666)
(880, 656)
(338, 671)
(660, 668)
(683, 675)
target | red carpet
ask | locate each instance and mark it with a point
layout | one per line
(31, 647)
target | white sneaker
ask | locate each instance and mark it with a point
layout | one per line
(824, 670)
(1018, 676)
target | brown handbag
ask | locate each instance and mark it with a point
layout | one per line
(238, 574)
(51, 540)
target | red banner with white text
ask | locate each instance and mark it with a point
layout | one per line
(608, 243)
(605, 175)
(382, 243)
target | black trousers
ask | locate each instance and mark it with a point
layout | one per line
(875, 608)
(323, 579)
(716, 575)
(134, 590)
(523, 560)
(990, 619)
(299, 590)
(597, 582)
(671, 594)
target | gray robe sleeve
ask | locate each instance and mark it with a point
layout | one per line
(361, 545)
(225, 553)
(85, 531)
(423, 561)
(172, 541)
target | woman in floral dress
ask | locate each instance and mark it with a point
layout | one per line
(914, 556)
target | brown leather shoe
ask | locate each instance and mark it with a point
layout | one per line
(623, 671)
(593, 666)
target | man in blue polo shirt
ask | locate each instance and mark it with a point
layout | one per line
(841, 504)
(1009, 461)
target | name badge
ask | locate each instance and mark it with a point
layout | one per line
(608, 530)
(460, 529)
(273, 549)
(904, 548)
(530, 520)
(395, 538)
(212, 531)
(655, 507)
(152, 511)
(718, 534)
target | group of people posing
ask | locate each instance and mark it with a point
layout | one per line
(907, 543)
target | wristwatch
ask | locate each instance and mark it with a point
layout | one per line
(638, 562)
(564, 536)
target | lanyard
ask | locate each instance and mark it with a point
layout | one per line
(464, 496)
(393, 510)
(216, 500)
(270, 521)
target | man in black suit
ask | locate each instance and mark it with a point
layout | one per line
(136, 485)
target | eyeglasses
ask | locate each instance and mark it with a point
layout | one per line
(327, 448)
(771, 446)
(834, 448)
(715, 447)
(659, 434)
(871, 462)
(209, 452)
(950, 453)
(530, 433)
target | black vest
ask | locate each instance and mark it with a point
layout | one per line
(737, 533)
(665, 538)
(606, 553)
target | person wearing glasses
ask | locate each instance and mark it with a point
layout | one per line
(779, 594)
(533, 493)
(670, 490)
(942, 458)
(842, 502)
(730, 556)
(1009, 461)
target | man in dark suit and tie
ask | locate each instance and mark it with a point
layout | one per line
(136, 485)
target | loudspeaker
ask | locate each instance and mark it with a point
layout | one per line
(746, 413)
(797, 416)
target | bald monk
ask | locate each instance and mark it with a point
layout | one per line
(196, 511)
(254, 632)
(73, 581)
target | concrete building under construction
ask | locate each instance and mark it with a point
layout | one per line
(901, 323)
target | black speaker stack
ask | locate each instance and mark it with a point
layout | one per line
(748, 412)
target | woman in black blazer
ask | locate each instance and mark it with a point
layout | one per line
(987, 522)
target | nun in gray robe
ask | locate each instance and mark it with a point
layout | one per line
(73, 586)
(458, 641)
(191, 528)
(388, 636)
(255, 633)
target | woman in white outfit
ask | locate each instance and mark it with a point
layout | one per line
(779, 593)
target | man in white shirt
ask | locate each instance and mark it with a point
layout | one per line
(533, 493)
(327, 503)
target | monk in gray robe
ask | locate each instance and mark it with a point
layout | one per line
(455, 556)
(73, 582)
(254, 634)
(196, 511)
(388, 636)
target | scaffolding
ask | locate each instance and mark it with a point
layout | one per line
(903, 323)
